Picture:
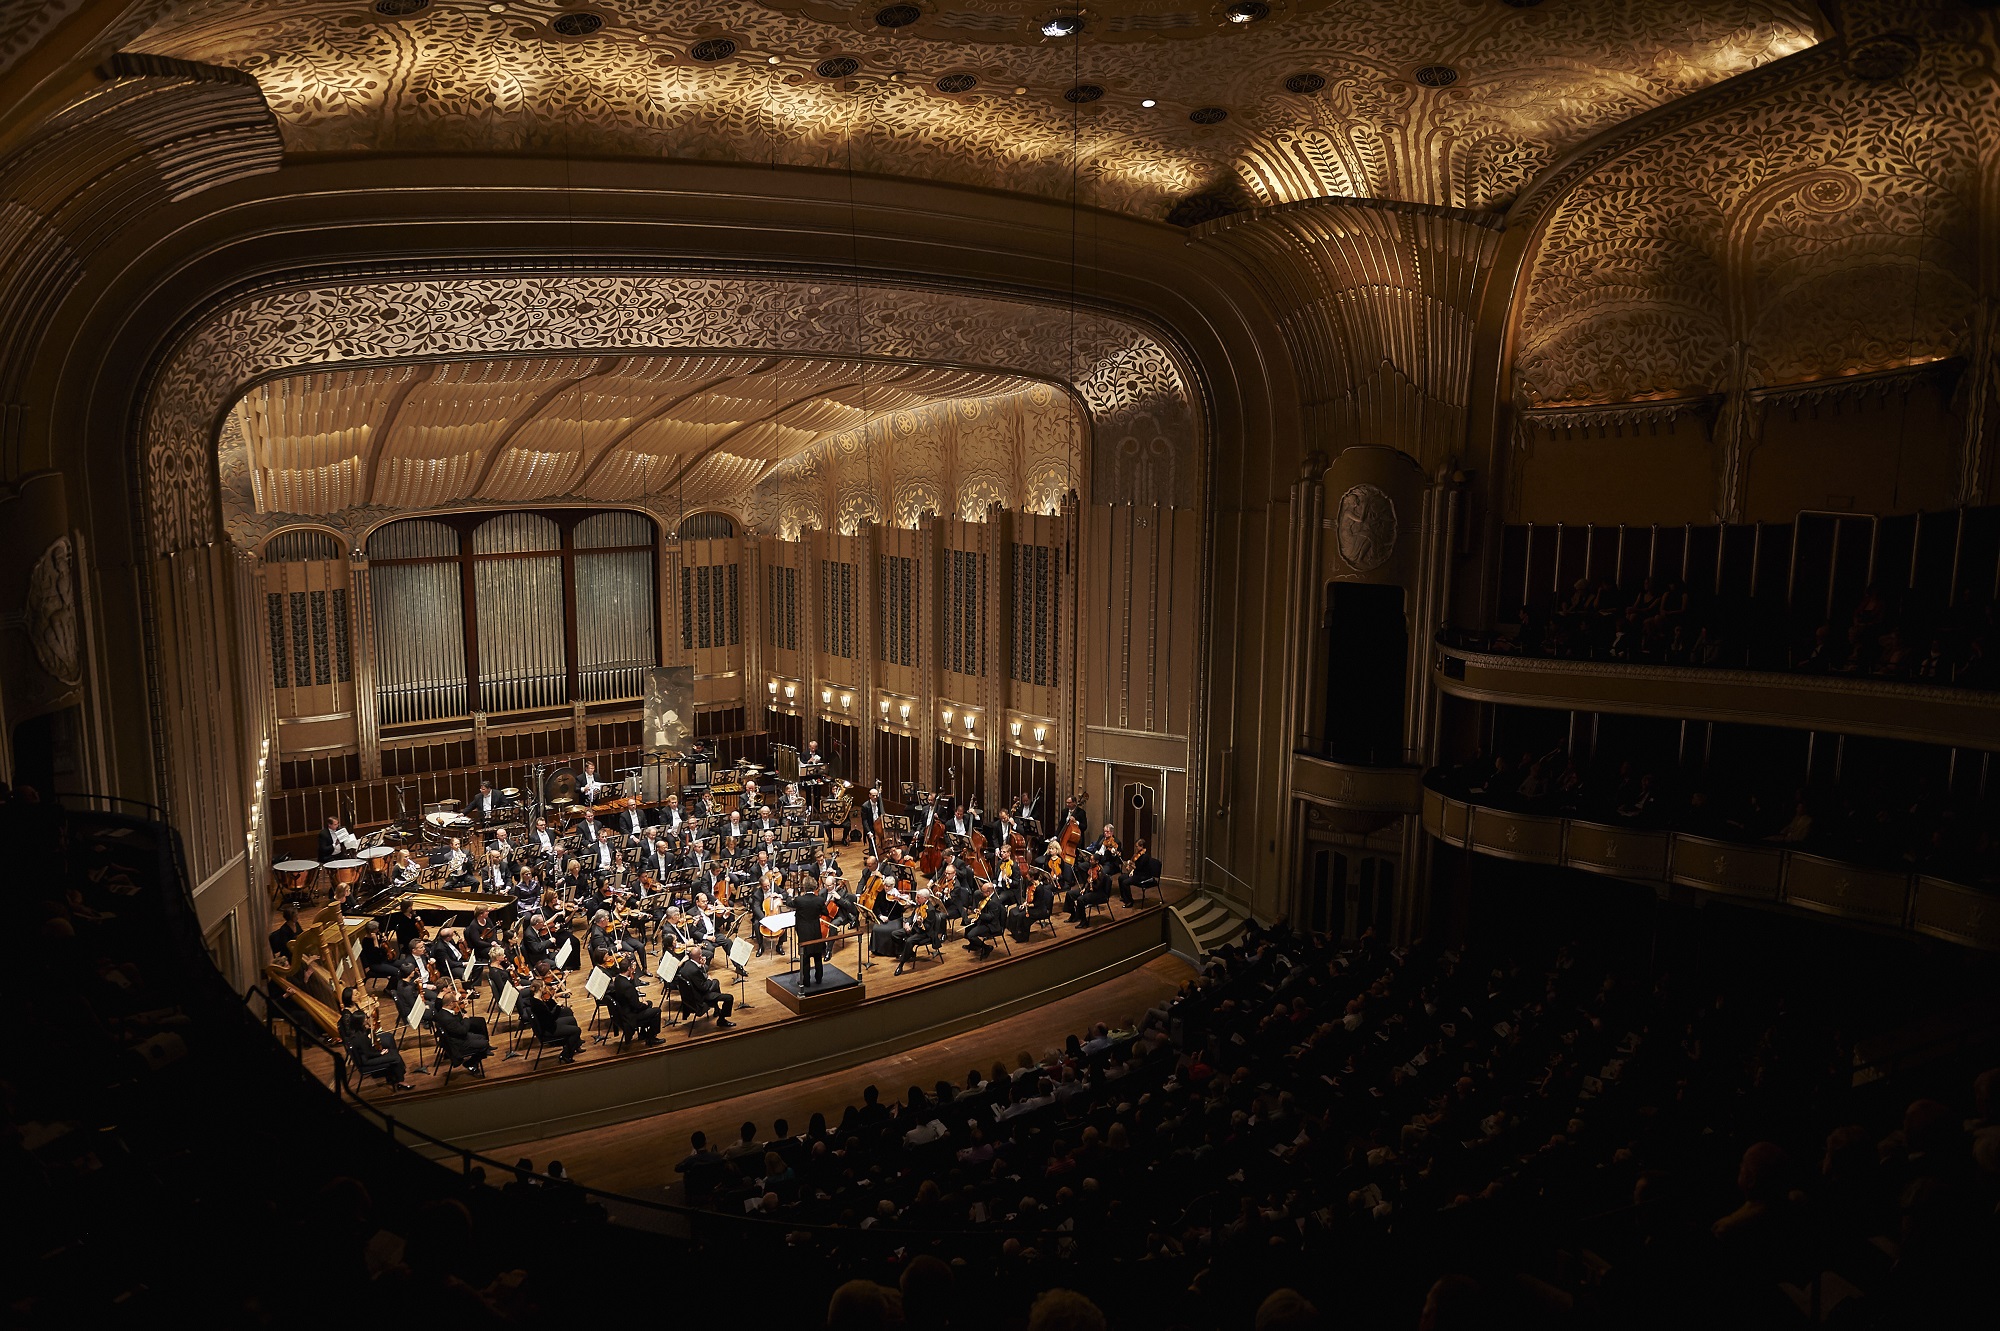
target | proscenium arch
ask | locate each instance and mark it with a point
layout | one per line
(1137, 388)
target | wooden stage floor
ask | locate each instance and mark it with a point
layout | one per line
(756, 1007)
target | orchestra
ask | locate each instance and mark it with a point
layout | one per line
(451, 905)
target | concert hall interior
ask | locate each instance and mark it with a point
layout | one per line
(1047, 664)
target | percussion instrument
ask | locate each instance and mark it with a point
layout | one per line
(560, 787)
(375, 859)
(289, 877)
(444, 818)
(345, 872)
(445, 804)
(511, 794)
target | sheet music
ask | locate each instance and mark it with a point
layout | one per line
(739, 952)
(598, 984)
(509, 997)
(563, 954)
(417, 1011)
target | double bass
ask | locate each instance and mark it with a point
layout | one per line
(935, 842)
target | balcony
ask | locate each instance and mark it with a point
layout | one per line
(1842, 704)
(1749, 871)
(1347, 786)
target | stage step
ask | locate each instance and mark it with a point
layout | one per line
(1213, 923)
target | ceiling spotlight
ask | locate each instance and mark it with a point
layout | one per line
(1247, 11)
(1062, 25)
(1149, 102)
(770, 60)
(1019, 91)
(496, 8)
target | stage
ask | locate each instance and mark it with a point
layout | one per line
(839, 1028)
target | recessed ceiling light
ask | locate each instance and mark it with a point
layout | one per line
(1062, 25)
(1247, 11)
(770, 60)
(496, 9)
(1149, 102)
(1019, 91)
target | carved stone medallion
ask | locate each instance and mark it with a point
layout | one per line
(1364, 528)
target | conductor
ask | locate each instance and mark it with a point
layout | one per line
(809, 909)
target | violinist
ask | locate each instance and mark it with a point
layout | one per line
(988, 922)
(1142, 872)
(1038, 904)
(923, 926)
(705, 928)
(630, 1013)
(891, 911)
(1094, 890)
(406, 927)
(481, 934)
(553, 1021)
(463, 1038)
(698, 992)
(372, 1053)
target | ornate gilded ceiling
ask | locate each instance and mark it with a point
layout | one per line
(1452, 102)
(1840, 220)
(670, 432)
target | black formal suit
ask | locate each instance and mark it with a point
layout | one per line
(631, 822)
(699, 993)
(660, 865)
(1142, 872)
(631, 1013)
(329, 849)
(536, 949)
(871, 813)
(281, 939)
(810, 911)
(1040, 904)
(554, 1024)
(988, 923)
(1083, 897)
(546, 840)
(464, 1038)
(372, 1055)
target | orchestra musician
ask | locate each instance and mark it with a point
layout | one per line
(546, 840)
(373, 1053)
(403, 872)
(630, 1013)
(336, 842)
(767, 821)
(707, 928)
(658, 859)
(282, 936)
(487, 801)
(872, 811)
(632, 822)
(1039, 903)
(671, 817)
(548, 1014)
(985, 922)
(698, 991)
(587, 783)
(609, 943)
(463, 1037)
(456, 861)
(1142, 872)
(923, 926)
(604, 853)
(1094, 890)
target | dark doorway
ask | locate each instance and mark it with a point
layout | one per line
(1368, 650)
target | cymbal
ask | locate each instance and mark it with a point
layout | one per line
(561, 802)
(511, 792)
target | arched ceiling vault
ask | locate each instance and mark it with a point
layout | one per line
(1448, 102)
(762, 436)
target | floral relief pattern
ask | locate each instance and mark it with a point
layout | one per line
(1532, 81)
(1827, 228)
(1127, 377)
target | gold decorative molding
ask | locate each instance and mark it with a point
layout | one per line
(1127, 377)
(1749, 871)
(1920, 713)
(1528, 83)
(1817, 219)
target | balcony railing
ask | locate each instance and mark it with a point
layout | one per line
(1843, 704)
(1923, 903)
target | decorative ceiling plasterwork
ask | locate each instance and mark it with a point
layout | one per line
(1021, 450)
(1140, 398)
(1378, 303)
(1531, 82)
(665, 433)
(1830, 227)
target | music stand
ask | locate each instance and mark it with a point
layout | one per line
(739, 954)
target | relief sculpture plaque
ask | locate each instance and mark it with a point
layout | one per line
(1364, 528)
